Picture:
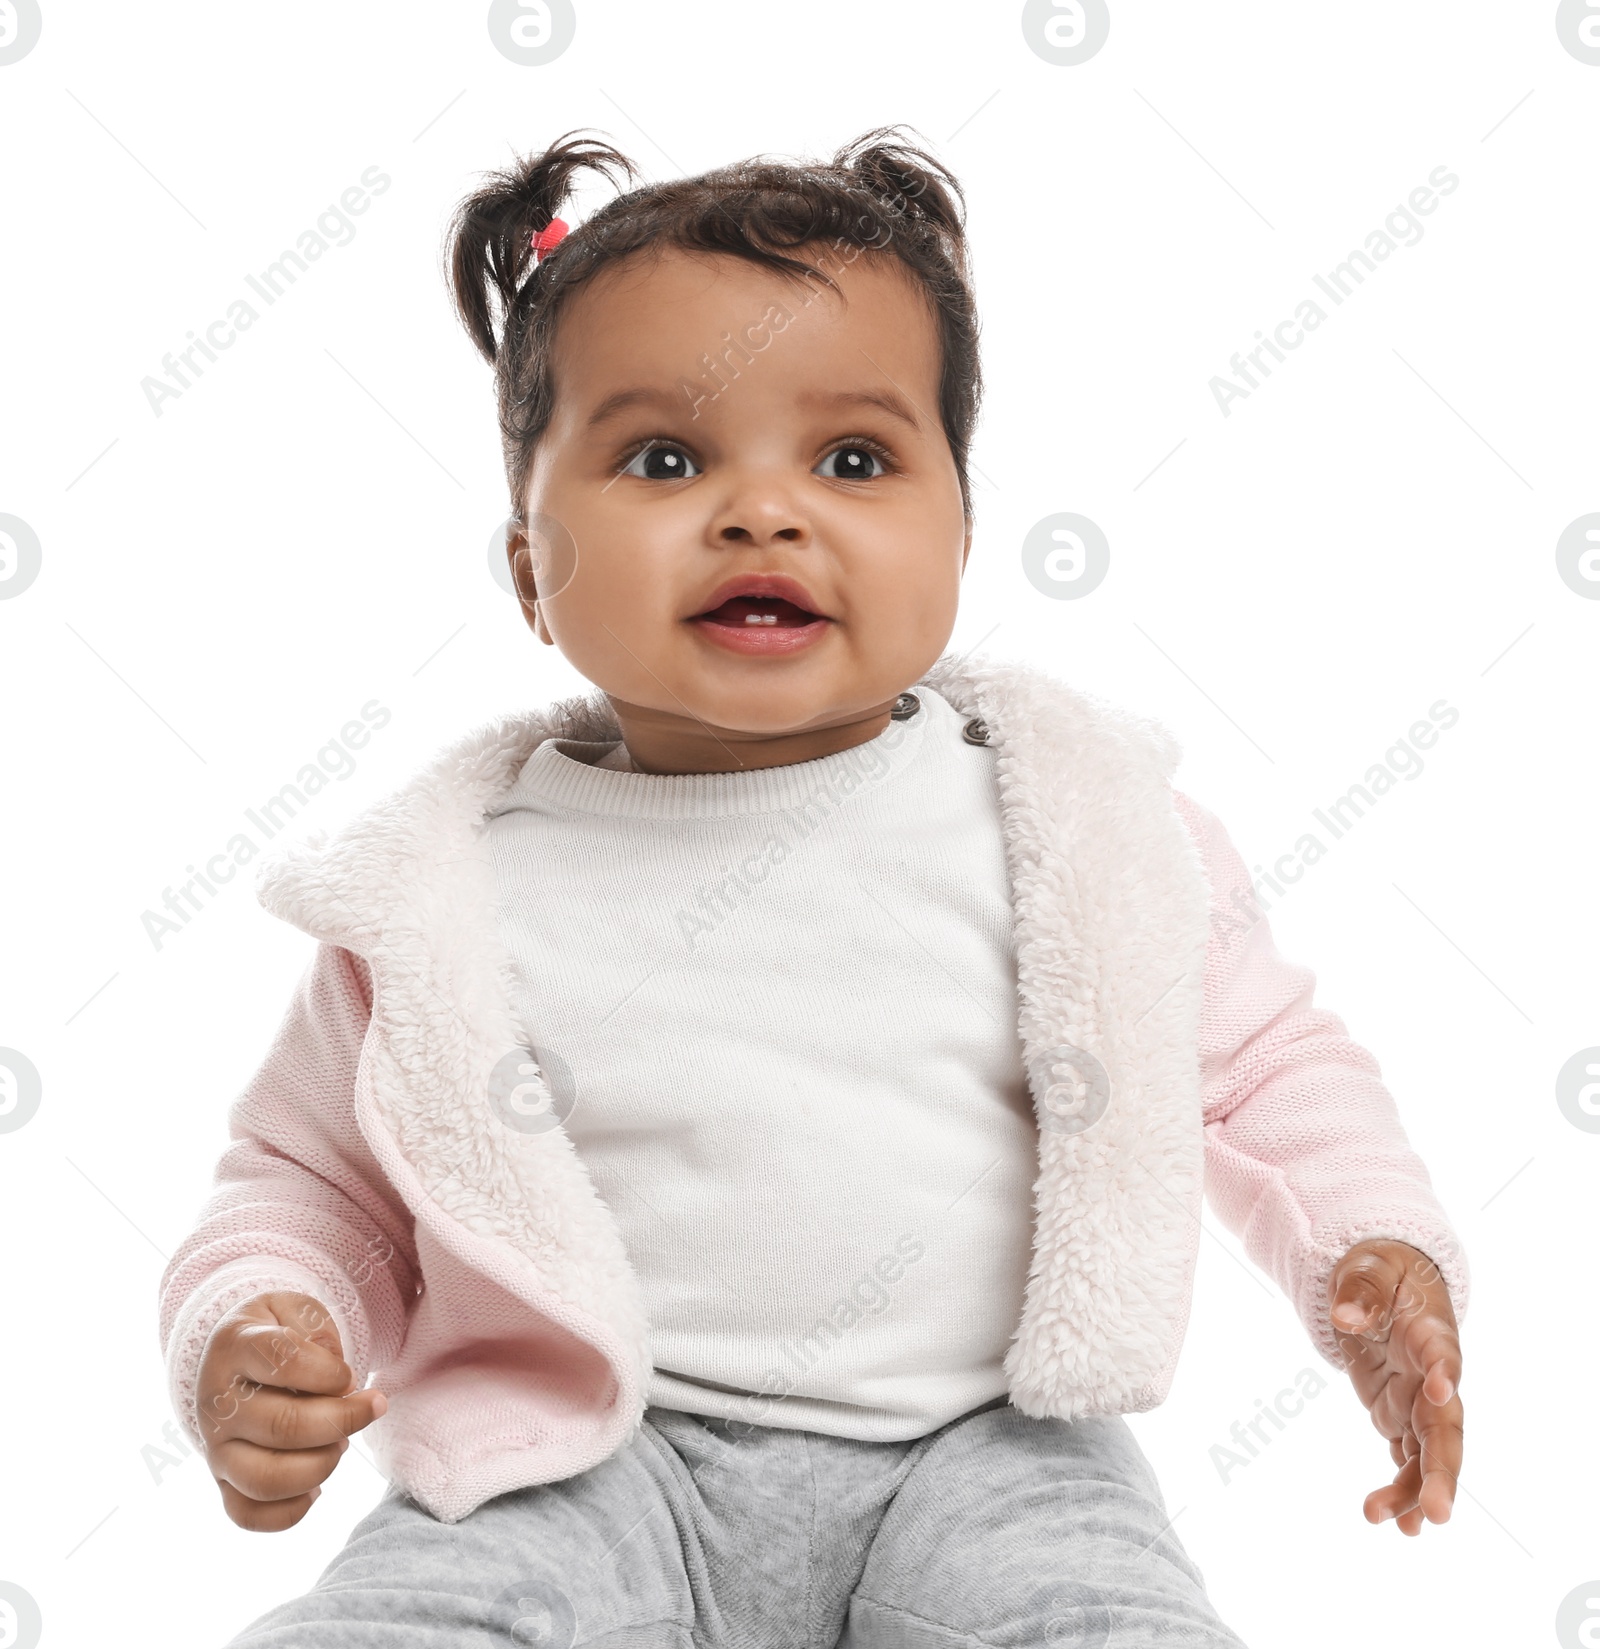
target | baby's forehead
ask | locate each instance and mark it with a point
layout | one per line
(666, 274)
(683, 307)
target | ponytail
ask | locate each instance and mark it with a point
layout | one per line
(491, 261)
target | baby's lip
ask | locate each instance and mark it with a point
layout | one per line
(776, 586)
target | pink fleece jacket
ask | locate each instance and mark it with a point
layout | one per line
(477, 1275)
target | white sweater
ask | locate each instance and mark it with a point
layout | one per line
(778, 1012)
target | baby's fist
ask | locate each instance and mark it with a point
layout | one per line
(276, 1408)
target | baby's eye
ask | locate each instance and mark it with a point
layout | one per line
(661, 463)
(851, 463)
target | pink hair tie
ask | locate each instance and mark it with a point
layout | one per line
(548, 239)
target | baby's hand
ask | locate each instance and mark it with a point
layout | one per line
(1397, 1329)
(269, 1438)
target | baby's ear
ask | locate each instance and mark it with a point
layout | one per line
(521, 558)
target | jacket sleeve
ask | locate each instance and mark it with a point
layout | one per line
(1305, 1154)
(298, 1201)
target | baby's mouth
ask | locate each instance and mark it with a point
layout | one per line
(753, 612)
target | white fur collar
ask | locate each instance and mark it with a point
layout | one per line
(1111, 929)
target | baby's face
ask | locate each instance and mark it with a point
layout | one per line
(762, 543)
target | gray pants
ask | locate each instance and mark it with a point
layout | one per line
(700, 1533)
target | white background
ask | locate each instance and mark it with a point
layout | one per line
(306, 529)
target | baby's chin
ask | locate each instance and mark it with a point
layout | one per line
(757, 710)
(754, 718)
(771, 703)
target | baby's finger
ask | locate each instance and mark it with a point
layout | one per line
(1396, 1498)
(264, 1516)
(272, 1474)
(1434, 1348)
(1442, 1448)
(272, 1355)
(304, 1313)
(1364, 1288)
(1439, 1385)
(285, 1420)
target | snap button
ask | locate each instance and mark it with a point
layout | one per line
(976, 731)
(905, 707)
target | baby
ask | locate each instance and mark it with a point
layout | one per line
(751, 1120)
